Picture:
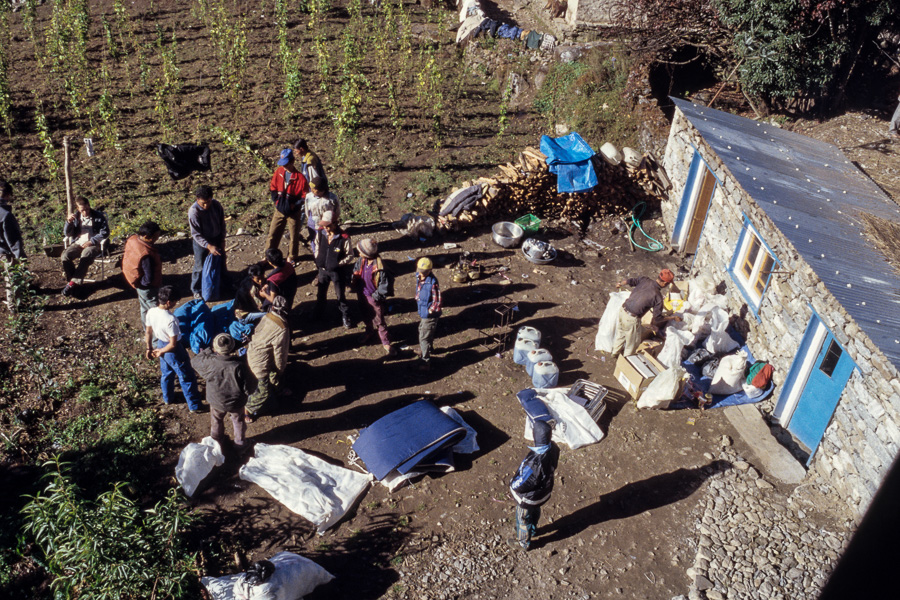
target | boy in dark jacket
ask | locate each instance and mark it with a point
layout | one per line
(428, 302)
(332, 252)
(226, 388)
(533, 482)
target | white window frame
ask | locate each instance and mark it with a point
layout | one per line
(747, 285)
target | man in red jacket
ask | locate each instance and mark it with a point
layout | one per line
(288, 189)
(142, 266)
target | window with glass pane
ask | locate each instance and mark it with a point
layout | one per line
(750, 258)
(762, 277)
(829, 363)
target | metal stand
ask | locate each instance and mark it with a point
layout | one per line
(496, 339)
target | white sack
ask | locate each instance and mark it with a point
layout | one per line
(574, 426)
(307, 485)
(700, 289)
(751, 390)
(469, 444)
(606, 333)
(677, 337)
(719, 342)
(730, 375)
(196, 462)
(663, 389)
(295, 577)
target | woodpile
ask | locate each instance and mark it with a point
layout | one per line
(526, 186)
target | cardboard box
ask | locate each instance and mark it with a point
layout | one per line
(651, 347)
(634, 373)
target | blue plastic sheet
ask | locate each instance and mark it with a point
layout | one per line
(569, 158)
(196, 324)
(211, 278)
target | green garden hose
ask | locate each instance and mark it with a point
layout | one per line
(655, 246)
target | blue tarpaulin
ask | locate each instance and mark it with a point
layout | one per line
(569, 158)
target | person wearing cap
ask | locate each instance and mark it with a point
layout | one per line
(372, 285)
(227, 387)
(532, 484)
(309, 162)
(428, 301)
(206, 218)
(267, 356)
(319, 201)
(647, 295)
(288, 188)
(174, 360)
(333, 252)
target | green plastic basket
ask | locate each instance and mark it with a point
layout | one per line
(528, 223)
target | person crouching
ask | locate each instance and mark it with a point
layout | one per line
(227, 388)
(533, 483)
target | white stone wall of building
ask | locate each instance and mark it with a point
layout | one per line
(863, 437)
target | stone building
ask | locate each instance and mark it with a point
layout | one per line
(801, 241)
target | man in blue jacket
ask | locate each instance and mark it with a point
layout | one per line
(88, 229)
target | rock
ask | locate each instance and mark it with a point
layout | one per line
(715, 595)
(764, 485)
(725, 441)
(702, 583)
(741, 465)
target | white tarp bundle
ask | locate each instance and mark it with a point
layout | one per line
(606, 332)
(196, 462)
(309, 486)
(574, 425)
(469, 444)
(295, 576)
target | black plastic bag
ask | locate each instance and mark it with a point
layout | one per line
(184, 159)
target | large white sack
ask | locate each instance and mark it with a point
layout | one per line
(663, 389)
(678, 335)
(700, 289)
(196, 462)
(295, 577)
(719, 342)
(306, 484)
(574, 426)
(606, 332)
(730, 375)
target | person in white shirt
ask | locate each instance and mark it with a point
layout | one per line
(174, 360)
(319, 201)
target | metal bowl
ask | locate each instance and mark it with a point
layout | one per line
(538, 251)
(507, 234)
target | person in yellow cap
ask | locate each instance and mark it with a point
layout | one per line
(647, 295)
(428, 300)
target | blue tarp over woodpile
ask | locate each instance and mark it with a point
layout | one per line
(569, 158)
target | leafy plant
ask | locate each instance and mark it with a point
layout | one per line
(290, 61)
(348, 117)
(234, 140)
(110, 549)
(430, 93)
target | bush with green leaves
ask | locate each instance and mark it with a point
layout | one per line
(110, 548)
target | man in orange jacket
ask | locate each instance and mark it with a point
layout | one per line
(142, 266)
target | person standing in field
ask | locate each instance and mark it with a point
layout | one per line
(207, 221)
(142, 266)
(12, 248)
(288, 190)
(372, 284)
(428, 301)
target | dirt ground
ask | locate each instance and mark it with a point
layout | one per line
(621, 515)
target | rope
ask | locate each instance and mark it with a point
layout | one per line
(654, 245)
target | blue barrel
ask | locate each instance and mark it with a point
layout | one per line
(521, 350)
(534, 357)
(545, 374)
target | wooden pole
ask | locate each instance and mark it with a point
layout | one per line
(67, 170)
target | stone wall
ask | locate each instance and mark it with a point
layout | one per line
(863, 437)
(589, 12)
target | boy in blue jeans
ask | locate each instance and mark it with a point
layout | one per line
(533, 482)
(173, 358)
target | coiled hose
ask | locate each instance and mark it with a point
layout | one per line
(636, 212)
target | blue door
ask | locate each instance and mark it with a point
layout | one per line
(824, 387)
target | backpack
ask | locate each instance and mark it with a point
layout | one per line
(387, 279)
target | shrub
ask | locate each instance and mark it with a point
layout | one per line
(108, 548)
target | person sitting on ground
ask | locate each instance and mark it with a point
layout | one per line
(227, 387)
(308, 162)
(267, 356)
(428, 301)
(12, 248)
(281, 282)
(88, 229)
(142, 266)
(333, 252)
(287, 189)
(318, 202)
(532, 484)
(372, 284)
(248, 303)
(647, 295)
(207, 221)
(174, 360)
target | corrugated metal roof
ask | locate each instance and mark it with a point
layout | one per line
(815, 196)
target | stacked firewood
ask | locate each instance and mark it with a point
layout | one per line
(528, 187)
